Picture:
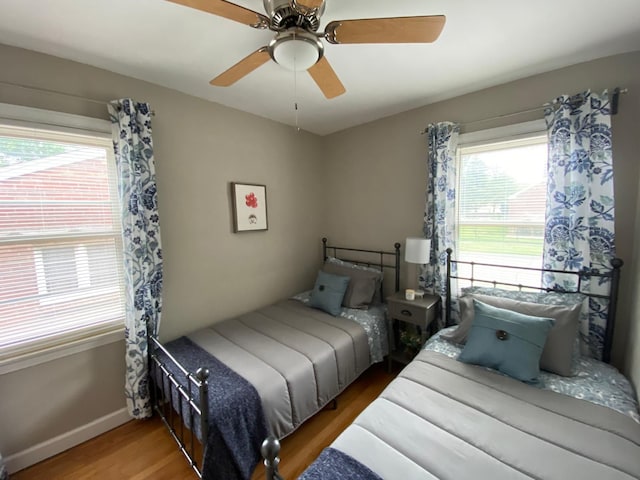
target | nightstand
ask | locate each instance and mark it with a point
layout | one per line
(421, 312)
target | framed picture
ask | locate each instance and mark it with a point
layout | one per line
(249, 207)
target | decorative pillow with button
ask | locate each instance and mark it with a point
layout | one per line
(558, 350)
(328, 292)
(506, 341)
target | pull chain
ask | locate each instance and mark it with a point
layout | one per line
(295, 90)
(295, 96)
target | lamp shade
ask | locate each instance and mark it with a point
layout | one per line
(417, 250)
(296, 55)
(296, 49)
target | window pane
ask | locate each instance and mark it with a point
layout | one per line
(501, 208)
(59, 264)
(60, 241)
(100, 257)
(64, 192)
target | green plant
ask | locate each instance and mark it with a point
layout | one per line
(411, 341)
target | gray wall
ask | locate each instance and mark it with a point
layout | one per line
(376, 193)
(51, 399)
(210, 272)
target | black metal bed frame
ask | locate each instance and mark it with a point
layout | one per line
(164, 385)
(612, 298)
(381, 264)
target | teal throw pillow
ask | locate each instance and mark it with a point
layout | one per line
(328, 292)
(507, 341)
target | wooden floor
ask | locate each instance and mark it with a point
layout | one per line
(143, 449)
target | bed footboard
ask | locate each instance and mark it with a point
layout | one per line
(165, 388)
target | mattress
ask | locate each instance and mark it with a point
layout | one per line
(443, 419)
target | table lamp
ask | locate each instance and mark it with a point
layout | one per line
(417, 251)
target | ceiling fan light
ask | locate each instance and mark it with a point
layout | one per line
(296, 55)
(296, 50)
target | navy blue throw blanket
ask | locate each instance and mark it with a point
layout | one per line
(337, 465)
(237, 425)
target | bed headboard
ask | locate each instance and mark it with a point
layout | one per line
(611, 298)
(371, 258)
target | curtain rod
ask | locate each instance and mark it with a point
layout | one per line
(55, 92)
(614, 110)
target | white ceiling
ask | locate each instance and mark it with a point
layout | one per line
(484, 43)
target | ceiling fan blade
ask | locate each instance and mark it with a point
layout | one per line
(326, 78)
(244, 67)
(310, 3)
(228, 10)
(386, 30)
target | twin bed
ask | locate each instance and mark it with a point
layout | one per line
(266, 372)
(443, 419)
(227, 387)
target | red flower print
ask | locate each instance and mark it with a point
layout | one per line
(251, 200)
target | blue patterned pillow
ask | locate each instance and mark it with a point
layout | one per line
(344, 263)
(506, 341)
(545, 298)
(328, 292)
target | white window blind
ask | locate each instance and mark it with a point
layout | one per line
(501, 206)
(60, 239)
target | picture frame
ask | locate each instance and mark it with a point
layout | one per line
(249, 202)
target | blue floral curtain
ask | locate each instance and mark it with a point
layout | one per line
(131, 130)
(579, 230)
(440, 211)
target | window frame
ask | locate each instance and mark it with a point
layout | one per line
(509, 132)
(82, 339)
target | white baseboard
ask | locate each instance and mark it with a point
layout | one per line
(59, 444)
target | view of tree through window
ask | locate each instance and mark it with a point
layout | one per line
(501, 203)
(14, 150)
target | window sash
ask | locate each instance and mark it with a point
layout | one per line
(61, 275)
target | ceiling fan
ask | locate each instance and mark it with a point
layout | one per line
(297, 43)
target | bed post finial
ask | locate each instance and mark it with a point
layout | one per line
(202, 374)
(616, 264)
(324, 249)
(397, 248)
(447, 302)
(270, 450)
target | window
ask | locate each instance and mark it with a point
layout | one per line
(60, 238)
(501, 205)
